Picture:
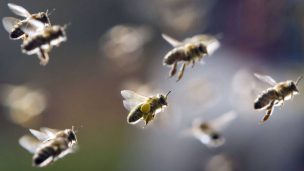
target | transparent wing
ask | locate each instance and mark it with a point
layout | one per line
(132, 99)
(32, 27)
(266, 78)
(200, 38)
(29, 143)
(9, 23)
(131, 95)
(171, 40)
(18, 10)
(223, 121)
(129, 105)
(213, 46)
(40, 135)
(50, 132)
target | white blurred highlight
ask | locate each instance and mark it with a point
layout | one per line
(23, 103)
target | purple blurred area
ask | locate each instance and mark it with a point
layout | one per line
(83, 80)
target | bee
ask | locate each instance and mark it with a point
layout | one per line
(208, 132)
(275, 95)
(13, 25)
(141, 107)
(49, 145)
(42, 41)
(189, 51)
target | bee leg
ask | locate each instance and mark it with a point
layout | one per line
(282, 102)
(193, 63)
(149, 118)
(43, 57)
(173, 70)
(269, 110)
(181, 72)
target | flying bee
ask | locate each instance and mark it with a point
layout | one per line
(209, 132)
(141, 107)
(41, 42)
(14, 25)
(275, 95)
(49, 145)
(189, 51)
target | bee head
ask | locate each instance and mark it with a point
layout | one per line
(43, 17)
(215, 136)
(71, 135)
(204, 126)
(163, 99)
(202, 48)
(293, 87)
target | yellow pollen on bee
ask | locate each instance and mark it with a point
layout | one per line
(145, 108)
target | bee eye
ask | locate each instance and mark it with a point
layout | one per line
(71, 137)
(215, 136)
(201, 48)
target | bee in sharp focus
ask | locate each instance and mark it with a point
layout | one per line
(49, 145)
(275, 95)
(209, 132)
(41, 42)
(141, 107)
(189, 51)
(13, 25)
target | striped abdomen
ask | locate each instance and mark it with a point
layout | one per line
(16, 33)
(266, 98)
(174, 56)
(50, 152)
(135, 115)
(43, 39)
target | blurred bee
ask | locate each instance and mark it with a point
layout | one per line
(14, 25)
(49, 145)
(141, 107)
(41, 42)
(209, 132)
(276, 95)
(189, 51)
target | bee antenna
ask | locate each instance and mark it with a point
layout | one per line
(50, 13)
(299, 79)
(67, 25)
(167, 94)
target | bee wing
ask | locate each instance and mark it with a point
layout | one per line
(32, 27)
(42, 136)
(266, 78)
(199, 38)
(223, 121)
(132, 99)
(129, 104)
(213, 46)
(50, 132)
(171, 40)
(18, 10)
(128, 94)
(9, 23)
(29, 143)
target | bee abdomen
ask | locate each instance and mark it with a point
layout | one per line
(174, 56)
(16, 33)
(43, 155)
(34, 43)
(135, 115)
(265, 98)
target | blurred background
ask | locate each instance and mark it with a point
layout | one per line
(115, 45)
